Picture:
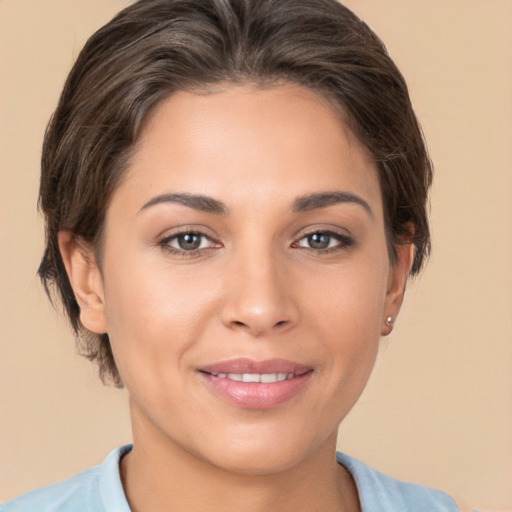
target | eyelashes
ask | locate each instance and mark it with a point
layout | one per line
(324, 241)
(187, 243)
(192, 243)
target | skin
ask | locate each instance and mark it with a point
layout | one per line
(256, 288)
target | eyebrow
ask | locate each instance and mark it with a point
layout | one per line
(325, 199)
(195, 201)
(301, 204)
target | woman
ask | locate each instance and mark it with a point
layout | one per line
(234, 195)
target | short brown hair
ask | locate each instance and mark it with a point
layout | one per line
(156, 47)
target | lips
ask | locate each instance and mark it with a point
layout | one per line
(256, 384)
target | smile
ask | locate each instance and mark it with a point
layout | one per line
(266, 378)
(250, 384)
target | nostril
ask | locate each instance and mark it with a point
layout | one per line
(238, 323)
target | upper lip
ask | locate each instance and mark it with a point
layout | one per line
(243, 365)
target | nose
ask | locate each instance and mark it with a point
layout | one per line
(259, 297)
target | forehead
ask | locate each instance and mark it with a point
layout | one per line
(241, 141)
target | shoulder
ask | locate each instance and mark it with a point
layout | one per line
(97, 489)
(379, 492)
(69, 495)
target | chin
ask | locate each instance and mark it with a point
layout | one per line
(265, 454)
(259, 462)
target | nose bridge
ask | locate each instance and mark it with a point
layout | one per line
(258, 296)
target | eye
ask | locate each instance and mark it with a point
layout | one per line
(188, 241)
(324, 240)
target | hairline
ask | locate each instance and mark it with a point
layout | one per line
(322, 94)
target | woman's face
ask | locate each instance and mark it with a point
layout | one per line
(245, 278)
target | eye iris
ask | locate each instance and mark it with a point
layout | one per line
(319, 240)
(189, 241)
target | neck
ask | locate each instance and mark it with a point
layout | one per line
(160, 476)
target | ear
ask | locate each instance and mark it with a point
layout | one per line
(397, 280)
(85, 279)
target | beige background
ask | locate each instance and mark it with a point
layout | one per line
(438, 409)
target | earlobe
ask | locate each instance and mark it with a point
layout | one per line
(396, 286)
(85, 279)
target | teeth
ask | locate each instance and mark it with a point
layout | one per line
(251, 377)
(267, 378)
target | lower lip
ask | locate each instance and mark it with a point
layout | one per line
(256, 395)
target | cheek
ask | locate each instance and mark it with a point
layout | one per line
(350, 296)
(153, 312)
(346, 308)
(129, 307)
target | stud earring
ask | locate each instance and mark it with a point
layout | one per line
(390, 321)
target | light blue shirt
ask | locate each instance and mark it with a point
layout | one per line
(99, 489)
